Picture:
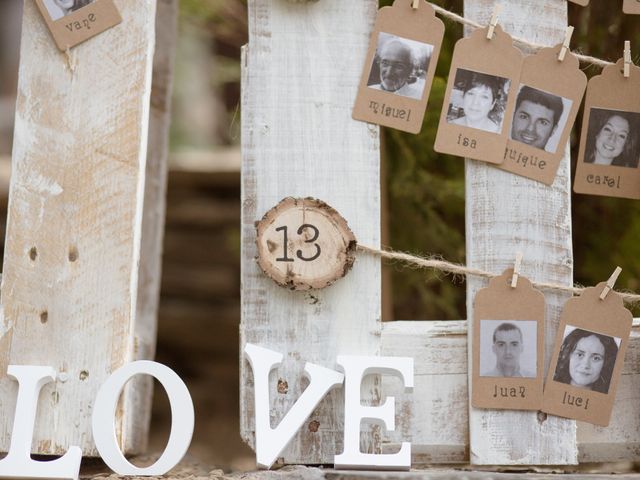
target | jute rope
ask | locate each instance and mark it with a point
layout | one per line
(457, 269)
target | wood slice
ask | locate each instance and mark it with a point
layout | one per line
(304, 244)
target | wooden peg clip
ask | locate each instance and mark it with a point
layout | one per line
(610, 283)
(565, 45)
(415, 4)
(627, 58)
(494, 21)
(516, 270)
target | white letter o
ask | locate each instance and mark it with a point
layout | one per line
(104, 410)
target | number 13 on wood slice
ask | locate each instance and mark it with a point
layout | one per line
(304, 244)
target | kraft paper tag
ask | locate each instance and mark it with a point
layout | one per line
(547, 103)
(400, 66)
(508, 345)
(588, 356)
(73, 21)
(609, 144)
(631, 7)
(480, 97)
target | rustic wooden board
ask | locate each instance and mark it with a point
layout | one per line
(301, 71)
(75, 221)
(508, 214)
(434, 416)
(140, 389)
(310, 473)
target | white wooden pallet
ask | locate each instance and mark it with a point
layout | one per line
(300, 74)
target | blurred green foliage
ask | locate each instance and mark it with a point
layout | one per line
(425, 190)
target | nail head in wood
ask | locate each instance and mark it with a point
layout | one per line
(304, 244)
(494, 21)
(516, 270)
(610, 283)
(565, 45)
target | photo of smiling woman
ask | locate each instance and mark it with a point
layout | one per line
(586, 359)
(612, 138)
(478, 101)
(61, 8)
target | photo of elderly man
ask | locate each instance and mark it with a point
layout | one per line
(400, 66)
(507, 347)
(536, 118)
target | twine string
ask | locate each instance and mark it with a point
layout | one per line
(457, 269)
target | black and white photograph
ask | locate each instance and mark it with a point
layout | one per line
(586, 359)
(478, 100)
(61, 8)
(508, 348)
(400, 66)
(612, 138)
(539, 118)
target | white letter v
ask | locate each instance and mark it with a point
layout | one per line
(271, 441)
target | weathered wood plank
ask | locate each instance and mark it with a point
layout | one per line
(434, 416)
(299, 140)
(70, 280)
(309, 473)
(139, 391)
(505, 214)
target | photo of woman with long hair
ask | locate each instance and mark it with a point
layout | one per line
(586, 360)
(612, 138)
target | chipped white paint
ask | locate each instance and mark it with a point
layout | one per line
(435, 417)
(508, 214)
(70, 287)
(40, 185)
(301, 72)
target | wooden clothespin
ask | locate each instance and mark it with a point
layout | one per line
(627, 58)
(565, 45)
(493, 22)
(516, 270)
(610, 283)
(415, 4)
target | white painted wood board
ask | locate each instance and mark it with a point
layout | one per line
(507, 214)
(139, 391)
(301, 70)
(70, 279)
(434, 417)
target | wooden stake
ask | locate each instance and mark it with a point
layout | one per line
(496, 437)
(73, 251)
